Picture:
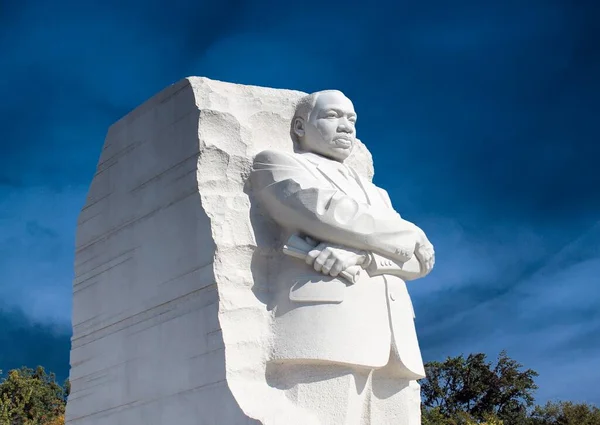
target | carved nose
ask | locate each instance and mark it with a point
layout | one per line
(345, 128)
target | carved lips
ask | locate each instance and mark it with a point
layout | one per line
(343, 142)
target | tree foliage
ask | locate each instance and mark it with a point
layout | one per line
(475, 386)
(32, 397)
(472, 391)
(565, 413)
(433, 416)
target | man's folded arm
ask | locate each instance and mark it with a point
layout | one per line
(298, 200)
(379, 265)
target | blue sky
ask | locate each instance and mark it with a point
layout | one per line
(482, 117)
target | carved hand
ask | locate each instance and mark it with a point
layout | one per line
(332, 259)
(425, 252)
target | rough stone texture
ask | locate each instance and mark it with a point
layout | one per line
(170, 322)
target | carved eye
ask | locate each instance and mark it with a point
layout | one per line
(331, 114)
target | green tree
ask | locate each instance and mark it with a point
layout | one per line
(565, 413)
(433, 416)
(483, 391)
(31, 397)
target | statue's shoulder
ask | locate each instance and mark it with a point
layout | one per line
(271, 156)
(274, 165)
(385, 195)
(277, 157)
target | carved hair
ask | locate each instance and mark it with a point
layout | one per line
(303, 109)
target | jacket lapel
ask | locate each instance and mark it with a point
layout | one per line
(331, 173)
(373, 194)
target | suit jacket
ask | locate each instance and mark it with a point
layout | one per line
(357, 324)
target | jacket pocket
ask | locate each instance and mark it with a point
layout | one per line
(317, 289)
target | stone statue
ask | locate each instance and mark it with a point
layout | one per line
(182, 278)
(344, 339)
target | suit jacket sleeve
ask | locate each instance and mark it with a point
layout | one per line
(379, 264)
(409, 270)
(304, 202)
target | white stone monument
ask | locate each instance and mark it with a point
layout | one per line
(235, 265)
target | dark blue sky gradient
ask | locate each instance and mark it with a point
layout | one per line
(482, 117)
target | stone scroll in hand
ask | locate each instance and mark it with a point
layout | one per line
(299, 248)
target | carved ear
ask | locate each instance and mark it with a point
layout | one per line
(298, 126)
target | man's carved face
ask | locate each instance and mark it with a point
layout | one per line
(330, 130)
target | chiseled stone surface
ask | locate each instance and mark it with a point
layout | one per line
(171, 323)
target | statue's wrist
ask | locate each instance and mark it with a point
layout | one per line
(367, 260)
